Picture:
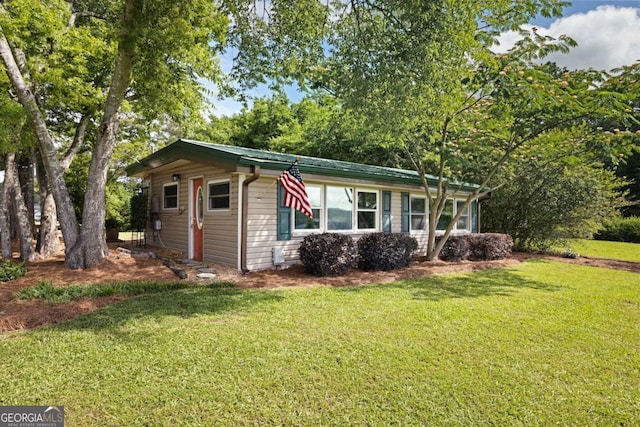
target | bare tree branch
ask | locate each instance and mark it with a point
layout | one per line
(77, 143)
(85, 13)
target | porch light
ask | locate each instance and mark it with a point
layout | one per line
(175, 177)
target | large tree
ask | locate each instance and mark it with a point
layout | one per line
(424, 74)
(316, 126)
(97, 59)
(626, 79)
(15, 153)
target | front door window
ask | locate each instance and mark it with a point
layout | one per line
(199, 207)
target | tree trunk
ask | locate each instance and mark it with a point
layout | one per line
(12, 184)
(431, 237)
(13, 221)
(91, 248)
(67, 218)
(87, 247)
(25, 165)
(48, 241)
(5, 235)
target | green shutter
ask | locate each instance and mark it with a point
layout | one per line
(474, 216)
(386, 211)
(284, 216)
(405, 212)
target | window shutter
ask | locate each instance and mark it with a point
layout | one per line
(474, 216)
(284, 216)
(386, 211)
(405, 212)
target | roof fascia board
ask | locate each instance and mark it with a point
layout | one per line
(183, 150)
(201, 152)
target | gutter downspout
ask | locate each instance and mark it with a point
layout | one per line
(245, 218)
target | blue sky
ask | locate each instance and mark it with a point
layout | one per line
(607, 32)
(583, 6)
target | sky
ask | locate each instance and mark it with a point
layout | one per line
(607, 32)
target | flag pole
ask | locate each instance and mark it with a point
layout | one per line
(294, 162)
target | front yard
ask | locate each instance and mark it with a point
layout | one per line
(539, 343)
(603, 249)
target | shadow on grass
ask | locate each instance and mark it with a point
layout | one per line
(499, 282)
(184, 303)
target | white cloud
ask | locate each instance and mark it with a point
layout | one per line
(607, 37)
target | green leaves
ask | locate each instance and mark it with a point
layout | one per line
(33, 25)
(70, 51)
(10, 270)
(547, 202)
(176, 45)
(280, 41)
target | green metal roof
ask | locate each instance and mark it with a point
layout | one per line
(198, 151)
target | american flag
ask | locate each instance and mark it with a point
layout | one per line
(295, 194)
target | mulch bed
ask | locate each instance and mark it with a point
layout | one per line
(17, 314)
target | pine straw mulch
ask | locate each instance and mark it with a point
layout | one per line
(16, 314)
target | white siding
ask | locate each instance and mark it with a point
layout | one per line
(174, 232)
(262, 232)
(220, 227)
(262, 228)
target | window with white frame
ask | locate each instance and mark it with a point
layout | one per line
(302, 221)
(339, 208)
(418, 211)
(445, 216)
(463, 222)
(367, 210)
(219, 195)
(170, 196)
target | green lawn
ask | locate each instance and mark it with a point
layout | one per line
(543, 343)
(603, 249)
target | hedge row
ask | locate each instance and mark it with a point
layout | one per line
(477, 247)
(334, 254)
(620, 230)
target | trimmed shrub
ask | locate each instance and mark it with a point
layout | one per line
(456, 248)
(620, 230)
(489, 246)
(328, 254)
(10, 270)
(386, 251)
(477, 247)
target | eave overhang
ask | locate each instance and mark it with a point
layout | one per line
(234, 158)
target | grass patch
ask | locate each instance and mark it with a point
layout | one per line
(542, 343)
(46, 291)
(10, 270)
(604, 249)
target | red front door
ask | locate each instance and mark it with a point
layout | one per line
(197, 219)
